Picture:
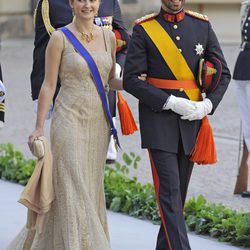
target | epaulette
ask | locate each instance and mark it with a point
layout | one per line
(197, 15)
(146, 18)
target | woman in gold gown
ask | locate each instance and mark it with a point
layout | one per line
(80, 135)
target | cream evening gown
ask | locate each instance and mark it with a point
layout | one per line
(79, 141)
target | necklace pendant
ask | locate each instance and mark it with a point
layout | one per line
(86, 37)
(91, 36)
(83, 35)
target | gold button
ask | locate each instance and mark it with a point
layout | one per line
(178, 38)
(181, 89)
(175, 26)
(180, 50)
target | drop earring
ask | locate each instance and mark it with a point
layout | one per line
(96, 14)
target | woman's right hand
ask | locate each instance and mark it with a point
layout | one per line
(33, 136)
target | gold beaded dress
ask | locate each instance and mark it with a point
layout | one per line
(80, 135)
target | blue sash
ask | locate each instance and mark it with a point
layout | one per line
(96, 76)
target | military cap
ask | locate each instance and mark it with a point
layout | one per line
(209, 74)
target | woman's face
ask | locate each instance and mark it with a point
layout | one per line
(86, 9)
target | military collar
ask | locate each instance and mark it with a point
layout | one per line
(178, 17)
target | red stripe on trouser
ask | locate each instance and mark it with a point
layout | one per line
(157, 188)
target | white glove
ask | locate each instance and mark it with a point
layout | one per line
(179, 105)
(203, 108)
(2, 91)
(118, 70)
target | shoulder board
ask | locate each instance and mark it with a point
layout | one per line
(146, 18)
(197, 15)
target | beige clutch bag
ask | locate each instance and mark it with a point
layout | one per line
(38, 148)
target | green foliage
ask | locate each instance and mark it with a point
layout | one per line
(218, 221)
(13, 165)
(127, 195)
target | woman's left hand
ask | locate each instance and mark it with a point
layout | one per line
(37, 133)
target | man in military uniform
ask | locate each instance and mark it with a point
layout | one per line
(168, 47)
(2, 98)
(241, 76)
(53, 14)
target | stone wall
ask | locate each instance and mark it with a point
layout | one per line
(16, 19)
(223, 14)
(225, 19)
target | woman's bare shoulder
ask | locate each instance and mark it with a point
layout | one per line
(57, 36)
(56, 40)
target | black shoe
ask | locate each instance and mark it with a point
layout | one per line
(110, 161)
(245, 194)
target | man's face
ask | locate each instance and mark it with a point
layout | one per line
(172, 6)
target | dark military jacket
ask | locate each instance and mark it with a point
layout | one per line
(242, 66)
(1, 76)
(1, 112)
(60, 14)
(160, 129)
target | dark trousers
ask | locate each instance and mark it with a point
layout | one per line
(171, 174)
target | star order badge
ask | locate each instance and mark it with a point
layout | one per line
(199, 49)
